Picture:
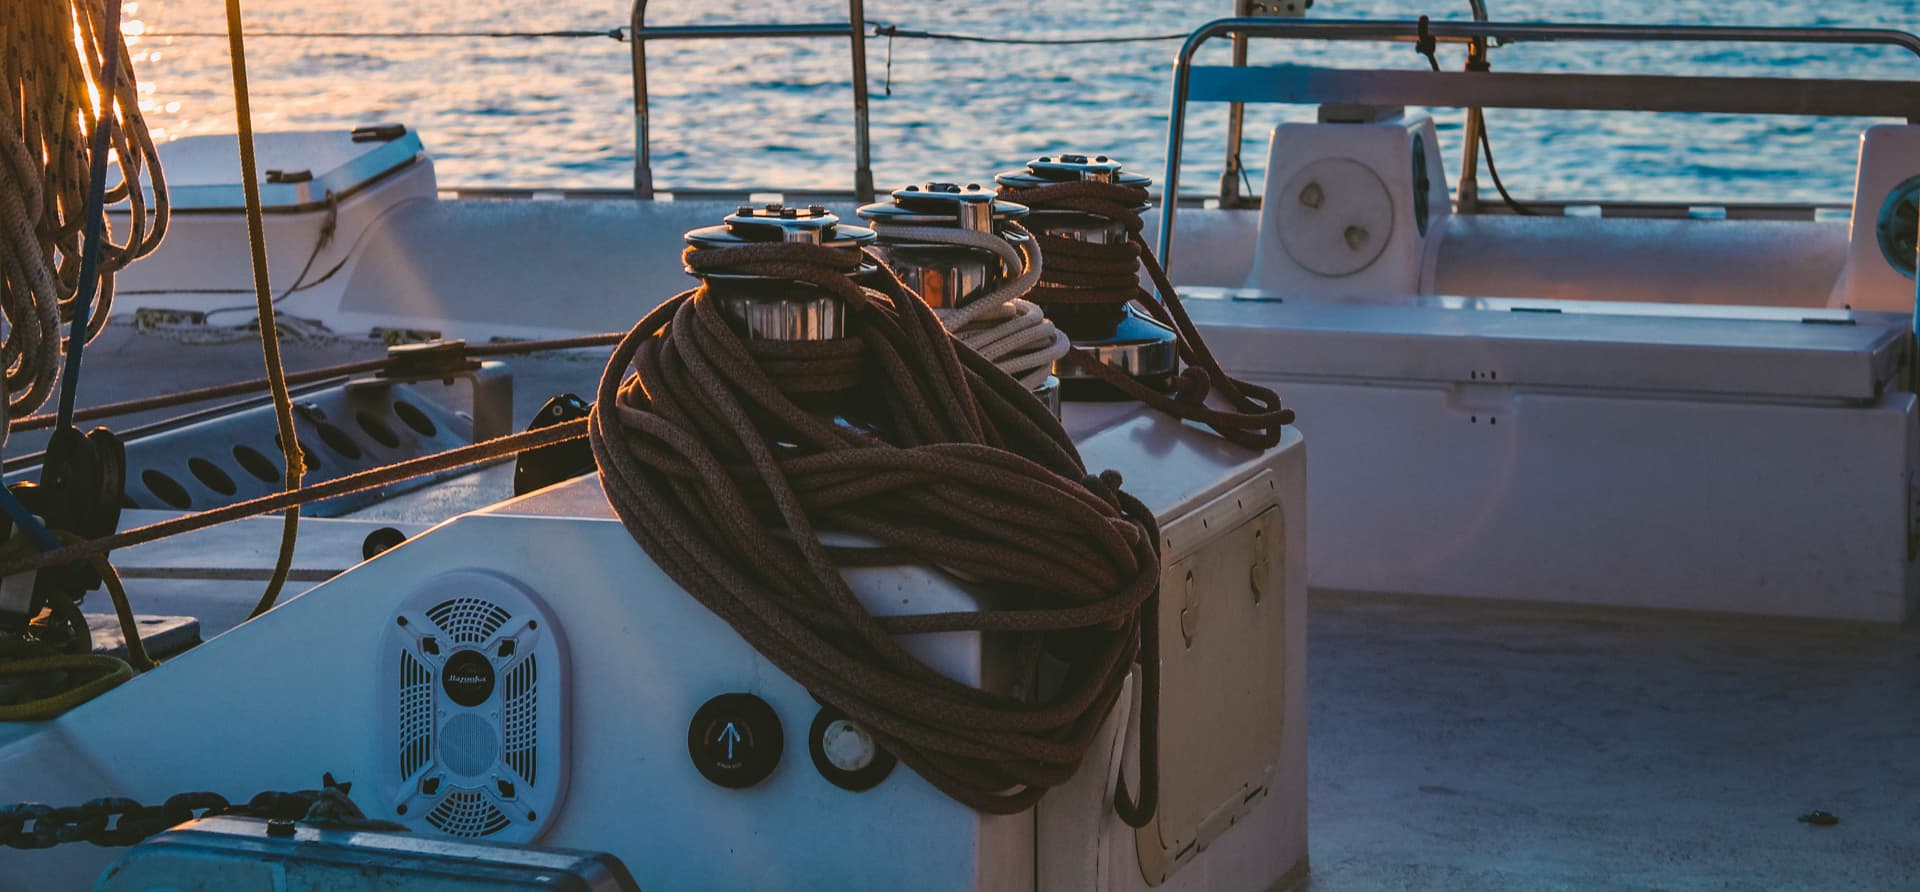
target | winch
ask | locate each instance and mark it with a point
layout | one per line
(841, 596)
(965, 253)
(772, 307)
(1086, 292)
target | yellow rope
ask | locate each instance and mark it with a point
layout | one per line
(263, 299)
(52, 59)
(112, 671)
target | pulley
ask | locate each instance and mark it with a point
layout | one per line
(939, 239)
(774, 308)
(1110, 331)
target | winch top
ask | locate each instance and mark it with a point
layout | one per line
(811, 225)
(1049, 169)
(939, 204)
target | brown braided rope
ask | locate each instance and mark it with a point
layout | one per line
(727, 480)
(1083, 273)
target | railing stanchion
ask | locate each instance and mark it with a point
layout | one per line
(862, 147)
(642, 151)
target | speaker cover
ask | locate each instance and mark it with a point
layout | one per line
(473, 735)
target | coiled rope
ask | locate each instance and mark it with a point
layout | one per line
(1091, 273)
(728, 483)
(998, 324)
(54, 58)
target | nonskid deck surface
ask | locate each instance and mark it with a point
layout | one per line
(1493, 747)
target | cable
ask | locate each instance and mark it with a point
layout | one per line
(1084, 273)
(619, 34)
(895, 31)
(998, 324)
(945, 462)
(1425, 45)
(1493, 172)
(263, 296)
(623, 35)
(91, 230)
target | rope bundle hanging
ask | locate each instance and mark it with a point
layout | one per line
(53, 59)
(1000, 324)
(942, 460)
(1087, 273)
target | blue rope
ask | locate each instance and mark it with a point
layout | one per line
(25, 520)
(96, 213)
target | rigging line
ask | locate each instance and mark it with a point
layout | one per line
(95, 220)
(290, 449)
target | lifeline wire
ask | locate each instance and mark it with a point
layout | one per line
(622, 34)
(727, 482)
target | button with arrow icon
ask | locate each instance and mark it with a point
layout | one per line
(735, 740)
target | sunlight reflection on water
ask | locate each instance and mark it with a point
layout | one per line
(554, 112)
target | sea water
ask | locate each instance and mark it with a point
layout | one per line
(557, 112)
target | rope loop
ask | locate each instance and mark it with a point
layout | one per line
(755, 504)
(1079, 272)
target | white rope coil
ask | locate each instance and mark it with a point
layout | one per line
(999, 324)
(52, 61)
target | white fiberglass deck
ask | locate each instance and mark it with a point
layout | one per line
(1470, 745)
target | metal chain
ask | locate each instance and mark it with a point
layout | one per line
(119, 821)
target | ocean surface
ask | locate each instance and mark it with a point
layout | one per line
(557, 112)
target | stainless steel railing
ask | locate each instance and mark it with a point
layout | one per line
(1774, 95)
(854, 29)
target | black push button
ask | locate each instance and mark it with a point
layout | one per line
(846, 753)
(735, 740)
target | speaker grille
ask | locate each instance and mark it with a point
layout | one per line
(468, 620)
(467, 813)
(522, 731)
(416, 714)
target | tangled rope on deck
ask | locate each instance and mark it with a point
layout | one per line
(728, 483)
(53, 62)
(1079, 272)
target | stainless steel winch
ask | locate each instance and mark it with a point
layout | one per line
(944, 274)
(1116, 334)
(773, 308)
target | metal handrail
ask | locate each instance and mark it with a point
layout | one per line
(854, 29)
(1466, 32)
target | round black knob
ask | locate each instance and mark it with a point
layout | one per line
(735, 740)
(846, 753)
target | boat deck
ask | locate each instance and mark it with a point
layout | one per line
(1454, 745)
(1498, 746)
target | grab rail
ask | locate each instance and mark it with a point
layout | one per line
(1298, 84)
(854, 29)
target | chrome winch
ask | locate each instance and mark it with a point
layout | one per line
(960, 246)
(1098, 317)
(774, 308)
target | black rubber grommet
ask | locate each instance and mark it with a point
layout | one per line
(832, 721)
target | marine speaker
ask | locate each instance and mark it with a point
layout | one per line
(473, 709)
